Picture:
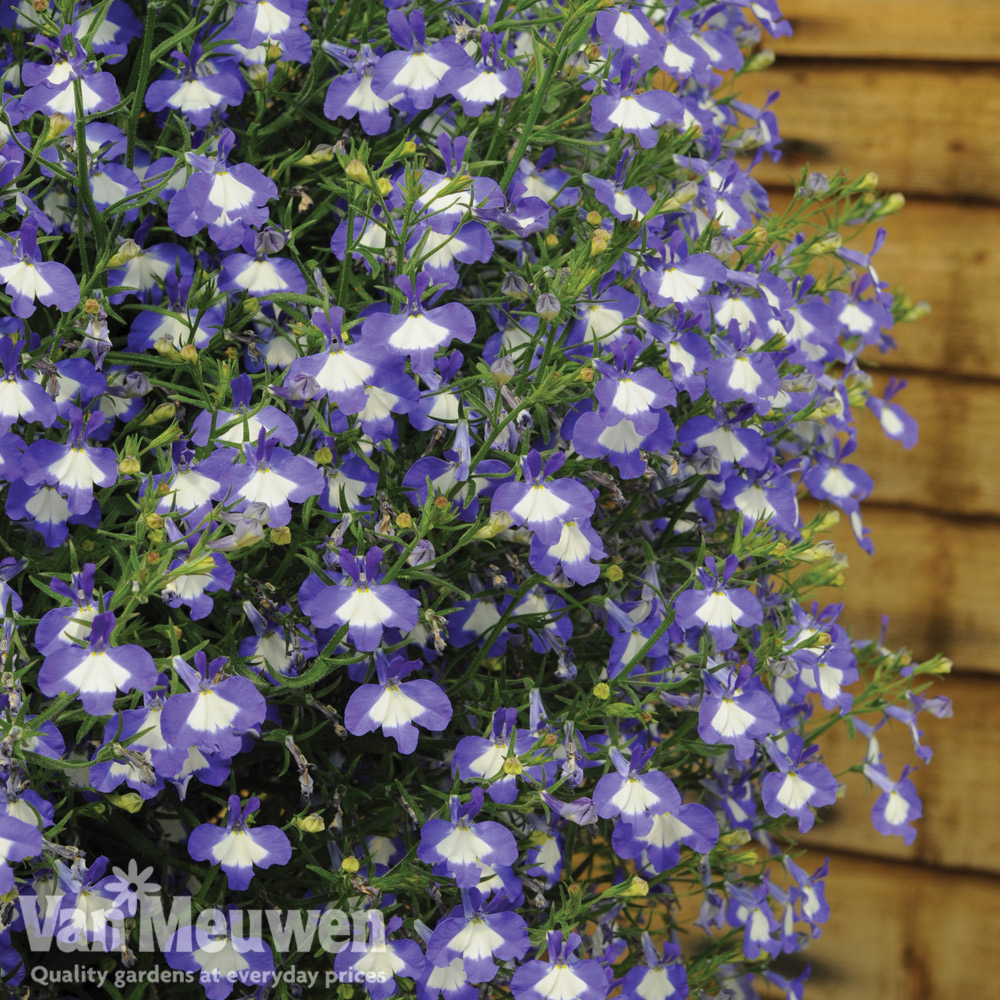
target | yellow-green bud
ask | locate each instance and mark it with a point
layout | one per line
(313, 823)
(869, 182)
(58, 123)
(163, 413)
(635, 888)
(357, 172)
(323, 456)
(384, 186)
(323, 153)
(594, 218)
(601, 691)
(409, 147)
(281, 536)
(551, 240)
(259, 76)
(512, 765)
(129, 801)
(497, 522)
(614, 573)
(404, 520)
(128, 250)
(599, 242)
(129, 465)
(350, 864)
(759, 60)
(892, 204)
(829, 243)
(154, 522)
(189, 353)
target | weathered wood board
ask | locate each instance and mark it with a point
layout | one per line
(959, 787)
(937, 580)
(955, 466)
(924, 129)
(902, 932)
(893, 29)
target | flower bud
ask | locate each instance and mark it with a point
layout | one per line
(281, 536)
(599, 242)
(868, 183)
(827, 244)
(163, 413)
(551, 240)
(127, 250)
(585, 374)
(614, 573)
(58, 123)
(154, 521)
(683, 194)
(576, 64)
(384, 186)
(165, 347)
(514, 287)
(357, 172)
(189, 353)
(323, 153)
(594, 218)
(601, 691)
(409, 147)
(259, 76)
(269, 240)
(635, 888)
(404, 521)
(512, 766)
(892, 204)
(547, 306)
(759, 60)
(131, 802)
(323, 456)
(503, 371)
(313, 823)
(129, 465)
(350, 864)
(500, 521)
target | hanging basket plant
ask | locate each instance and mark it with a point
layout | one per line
(420, 445)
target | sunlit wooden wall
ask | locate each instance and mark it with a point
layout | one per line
(911, 90)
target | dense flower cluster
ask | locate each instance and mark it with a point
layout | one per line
(405, 415)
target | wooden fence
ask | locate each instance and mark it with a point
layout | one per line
(911, 90)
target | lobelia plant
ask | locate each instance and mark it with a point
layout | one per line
(405, 416)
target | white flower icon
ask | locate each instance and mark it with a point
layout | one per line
(132, 888)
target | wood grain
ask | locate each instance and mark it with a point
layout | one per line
(892, 29)
(961, 824)
(901, 932)
(935, 577)
(925, 129)
(955, 466)
(945, 254)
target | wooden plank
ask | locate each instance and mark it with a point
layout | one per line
(961, 30)
(923, 129)
(962, 333)
(936, 578)
(900, 932)
(959, 828)
(954, 467)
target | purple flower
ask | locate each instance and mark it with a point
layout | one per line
(460, 847)
(799, 786)
(28, 276)
(540, 504)
(417, 73)
(563, 976)
(367, 608)
(418, 333)
(97, 671)
(736, 710)
(396, 706)
(238, 848)
(897, 807)
(74, 468)
(216, 711)
(215, 954)
(662, 977)
(718, 607)
(380, 960)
